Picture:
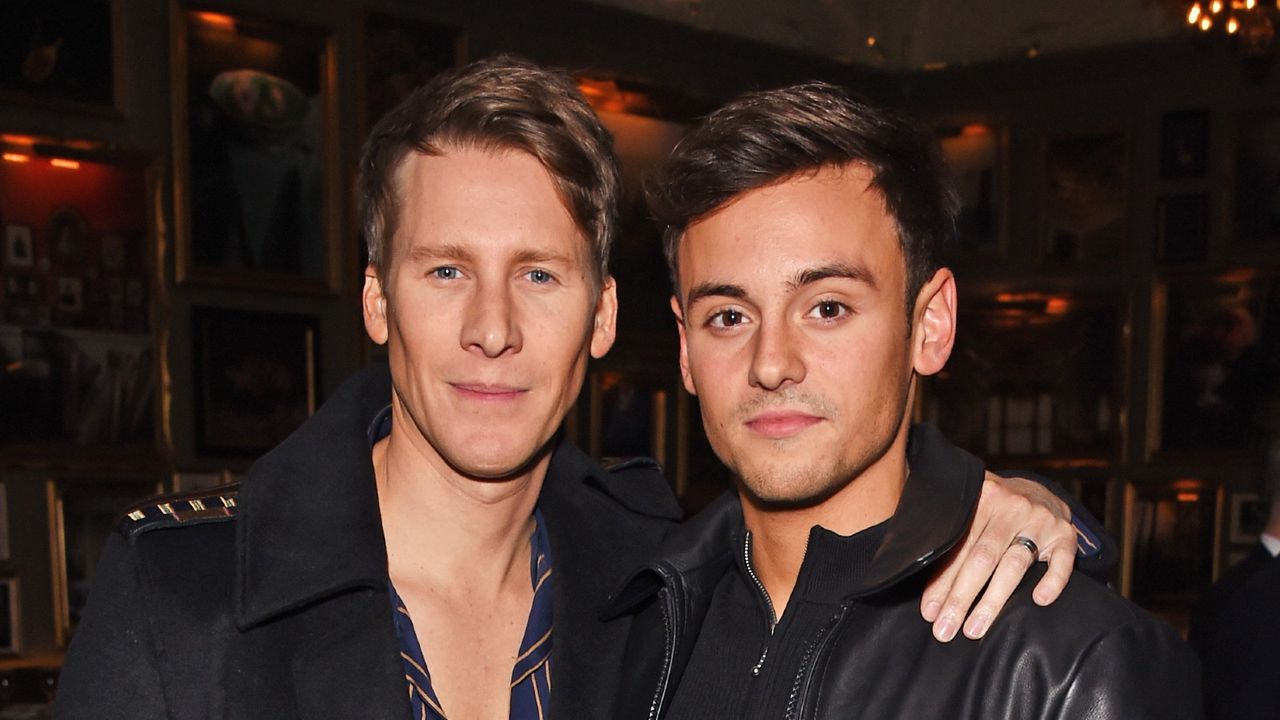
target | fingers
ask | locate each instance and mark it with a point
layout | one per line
(1015, 563)
(1061, 561)
(1008, 507)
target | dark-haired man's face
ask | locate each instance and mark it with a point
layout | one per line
(793, 336)
(492, 310)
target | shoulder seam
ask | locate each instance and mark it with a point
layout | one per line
(166, 511)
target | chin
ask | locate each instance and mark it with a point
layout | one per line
(787, 488)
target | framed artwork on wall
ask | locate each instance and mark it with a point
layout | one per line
(976, 155)
(256, 192)
(256, 378)
(1220, 343)
(61, 54)
(1085, 210)
(83, 512)
(1246, 518)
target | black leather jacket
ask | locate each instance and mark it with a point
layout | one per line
(1089, 655)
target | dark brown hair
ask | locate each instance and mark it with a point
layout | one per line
(766, 137)
(499, 103)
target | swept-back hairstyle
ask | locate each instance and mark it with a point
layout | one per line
(766, 137)
(499, 103)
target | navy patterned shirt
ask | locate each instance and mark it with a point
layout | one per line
(531, 676)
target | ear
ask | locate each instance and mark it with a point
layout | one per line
(934, 329)
(604, 328)
(374, 303)
(684, 347)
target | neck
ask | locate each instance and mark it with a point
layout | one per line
(780, 536)
(477, 531)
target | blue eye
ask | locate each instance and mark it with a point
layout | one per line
(541, 277)
(445, 272)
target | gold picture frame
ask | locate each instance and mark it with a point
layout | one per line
(257, 195)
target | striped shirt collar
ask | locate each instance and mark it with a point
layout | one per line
(531, 675)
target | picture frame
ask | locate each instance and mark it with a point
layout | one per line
(257, 378)
(1184, 144)
(1246, 518)
(977, 157)
(62, 56)
(1182, 228)
(1168, 547)
(83, 512)
(10, 616)
(1216, 341)
(257, 195)
(1085, 198)
(1257, 178)
(19, 250)
(398, 54)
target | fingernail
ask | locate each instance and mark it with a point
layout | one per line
(975, 627)
(931, 609)
(947, 629)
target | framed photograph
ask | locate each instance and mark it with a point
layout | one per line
(399, 54)
(1220, 338)
(61, 53)
(67, 238)
(83, 511)
(255, 163)
(976, 155)
(10, 616)
(83, 388)
(1182, 228)
(19, 251)
(256, 378)
(1247, 518)
(1184, 144)
(1257, 181)
(1085, 198)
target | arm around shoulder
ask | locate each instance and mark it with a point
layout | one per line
(111, 668)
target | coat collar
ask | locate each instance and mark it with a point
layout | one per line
(309, 522)
(934, 512)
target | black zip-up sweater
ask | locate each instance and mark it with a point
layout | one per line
(1089, 655)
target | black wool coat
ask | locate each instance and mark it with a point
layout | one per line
(270, 600)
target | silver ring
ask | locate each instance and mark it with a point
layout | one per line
(1029, 544)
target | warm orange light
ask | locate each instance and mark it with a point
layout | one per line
(16, 157)
(975, 129)
(18, 139)
(217, 20)
(65, 164)
(1193, 15)
(1205, 23)
(1232, 26)
(1057, 306)
(1250, 4)
(1215, 7)
(871, 41)
(1187, 484)
(1188, 497)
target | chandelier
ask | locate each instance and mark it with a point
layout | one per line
(1251, 22)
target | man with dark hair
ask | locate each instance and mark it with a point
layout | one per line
(427, 543)
(800, 224)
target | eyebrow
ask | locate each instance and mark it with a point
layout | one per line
(809, 276)
(707, 289)
(451, 251)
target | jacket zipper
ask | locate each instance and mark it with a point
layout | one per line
(668, 650)
(773, 614)
(809, 661)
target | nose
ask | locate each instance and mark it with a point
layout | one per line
(491, 325)
(776, 359)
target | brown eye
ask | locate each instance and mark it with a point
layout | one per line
(828, 310)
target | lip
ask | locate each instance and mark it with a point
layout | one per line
(780, 424)
(488, 392)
